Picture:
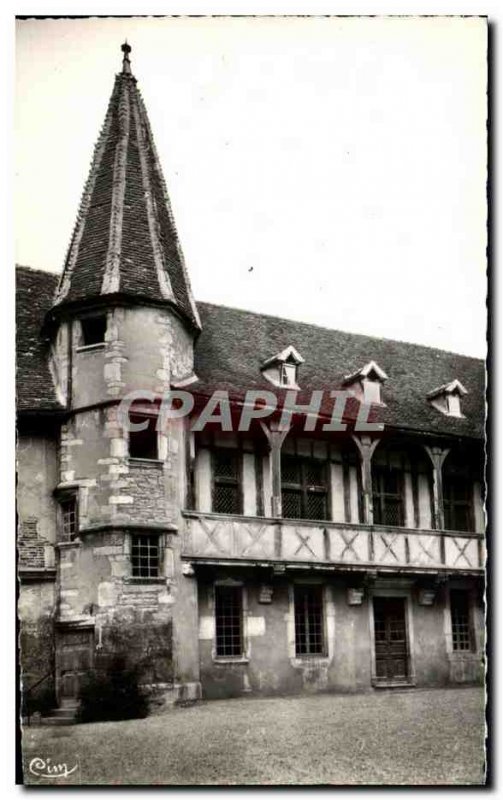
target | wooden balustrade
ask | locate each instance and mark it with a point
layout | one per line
(253, 539)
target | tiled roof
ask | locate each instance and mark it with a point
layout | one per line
(234, 344)
(125, 241)
(34, 386)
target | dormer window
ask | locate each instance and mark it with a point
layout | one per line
(288, 374)
(366, 383)
(282, 369)
(447, 398)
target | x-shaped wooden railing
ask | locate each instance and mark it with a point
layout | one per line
(461, 551)
(211, 533)
(348, 545)
(385, 537)
(255, 537)
(427, 548)
(304, 542)
(232, 537)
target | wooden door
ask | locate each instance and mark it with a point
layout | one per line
(390, 636)
(75, 660)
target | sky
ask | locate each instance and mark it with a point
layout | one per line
(330, 170)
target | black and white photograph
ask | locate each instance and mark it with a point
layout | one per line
(251, 400)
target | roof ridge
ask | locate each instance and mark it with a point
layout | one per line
(338, 330)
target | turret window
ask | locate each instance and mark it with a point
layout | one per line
(93, 330)
(145, 556)
(69, 517)
(143, 444)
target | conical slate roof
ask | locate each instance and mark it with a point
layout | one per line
(125, 241)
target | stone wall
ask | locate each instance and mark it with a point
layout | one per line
(36, 536)
(37, 471)
(144, 348)
(36, 609)
(271, 667)
(131, 617)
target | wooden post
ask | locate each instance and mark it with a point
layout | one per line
(437, 456)
(190, 457)
(366, 447)
(275, 437)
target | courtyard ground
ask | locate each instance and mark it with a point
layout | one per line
(406, 737)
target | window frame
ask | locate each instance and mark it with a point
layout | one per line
(139, 538)
(379, 497)
(222, 480)
(136, 417)
(470, 629)
(450, 503)
(242, 655)
(305, 489)
(83, 323)
(64, 499)
(319, 589)
(288, 374)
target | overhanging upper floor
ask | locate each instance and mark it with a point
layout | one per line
(219, 539)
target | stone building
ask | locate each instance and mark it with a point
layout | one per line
(283, 558)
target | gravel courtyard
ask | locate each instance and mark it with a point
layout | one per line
(420, 737)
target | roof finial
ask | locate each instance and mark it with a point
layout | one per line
(126, 64)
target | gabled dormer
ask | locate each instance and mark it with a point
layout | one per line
(447, 398)
(282, 369)
(366, 383)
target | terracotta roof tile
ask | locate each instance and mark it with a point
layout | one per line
(234, 344)
(125, 240)
(34, 386)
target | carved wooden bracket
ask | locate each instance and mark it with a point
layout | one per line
(275, 435)
(366, 446)
(437, 456)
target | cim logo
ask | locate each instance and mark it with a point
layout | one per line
(43, 768)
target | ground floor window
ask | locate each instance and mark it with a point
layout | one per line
(309, 635)
(145, 556)
(462, 637)
(229, 620)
